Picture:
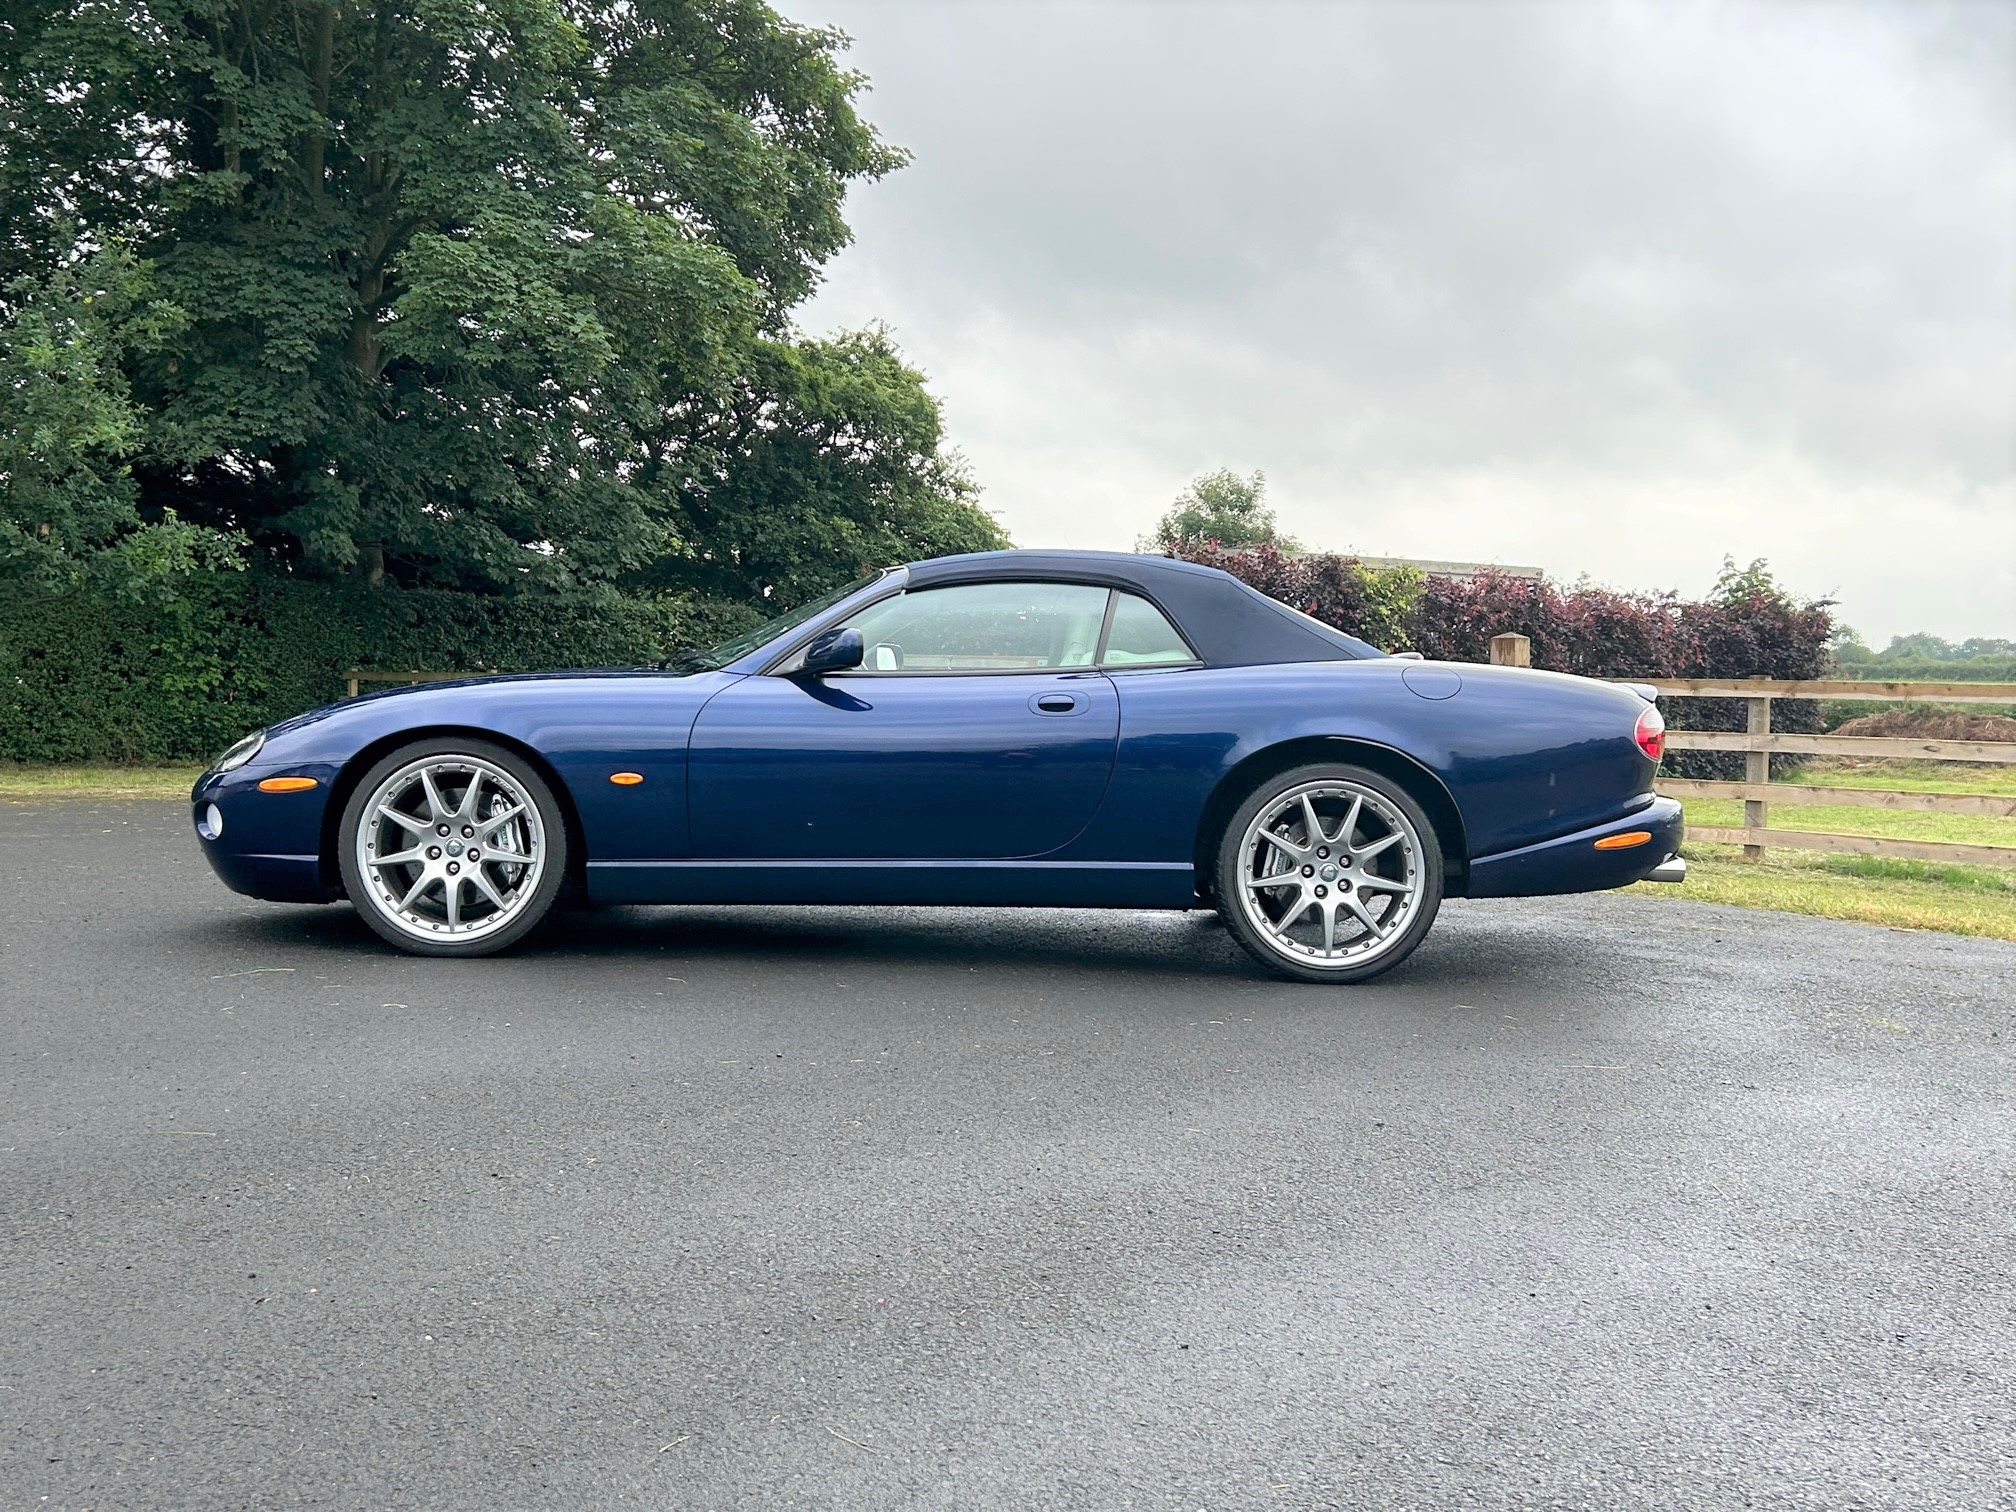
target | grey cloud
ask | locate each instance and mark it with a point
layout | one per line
(1372, 241)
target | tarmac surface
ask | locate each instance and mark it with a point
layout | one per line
(1604, 1202)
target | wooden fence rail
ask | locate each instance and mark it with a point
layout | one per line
(356, 677)
(1758, 792)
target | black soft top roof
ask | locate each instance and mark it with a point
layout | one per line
(1229, 624)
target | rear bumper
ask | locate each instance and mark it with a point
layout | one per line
(1573, 864)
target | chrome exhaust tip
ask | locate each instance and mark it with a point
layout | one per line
(1672, 869)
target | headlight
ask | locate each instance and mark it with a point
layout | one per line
(241, 753)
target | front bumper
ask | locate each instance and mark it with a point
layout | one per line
(1574, 864)
(271, 843)
(277, 879)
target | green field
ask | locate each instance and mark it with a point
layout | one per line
(1910, 776)
(1979, 900)
(1886, 824)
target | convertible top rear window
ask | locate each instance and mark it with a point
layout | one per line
(1140, 635)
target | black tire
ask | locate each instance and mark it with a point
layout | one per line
(1422, 869)
(530, 908)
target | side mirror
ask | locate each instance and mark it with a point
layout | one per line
(833, 651)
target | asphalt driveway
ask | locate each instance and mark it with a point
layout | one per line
(1601, 1203)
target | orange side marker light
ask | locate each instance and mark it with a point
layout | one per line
(1624, 841)
(288, 784)
(626, 779)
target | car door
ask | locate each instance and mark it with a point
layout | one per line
(975, 729)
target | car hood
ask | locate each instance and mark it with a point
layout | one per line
(383, 696)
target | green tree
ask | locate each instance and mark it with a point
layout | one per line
(1919, 647)
(67, 425)
(453, 277)
(1734, 585)
(1220, 506)
(830, 463)
(67, 421)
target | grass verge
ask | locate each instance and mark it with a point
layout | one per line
(1971, 900)
(27, 784)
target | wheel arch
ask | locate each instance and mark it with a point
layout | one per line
(353, 770)
(1422, 785)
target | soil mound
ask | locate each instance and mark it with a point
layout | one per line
(1926, 723)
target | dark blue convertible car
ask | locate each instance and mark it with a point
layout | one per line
(1021, 728)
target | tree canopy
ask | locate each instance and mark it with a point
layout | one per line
(470, 293)
(1221, 506)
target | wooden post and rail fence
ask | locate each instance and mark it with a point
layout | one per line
(1758, 744)
(356, 677)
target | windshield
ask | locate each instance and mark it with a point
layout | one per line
(715, 657)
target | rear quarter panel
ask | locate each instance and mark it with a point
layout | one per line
(1525, 755)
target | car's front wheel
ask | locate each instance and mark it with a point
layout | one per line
(452, 847)
(1329, 874)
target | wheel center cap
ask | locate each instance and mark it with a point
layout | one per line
(1329, 874)
(454, 847)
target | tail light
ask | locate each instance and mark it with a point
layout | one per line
(1651, 732)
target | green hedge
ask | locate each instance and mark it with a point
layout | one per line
(84, 678)
(1928, 669)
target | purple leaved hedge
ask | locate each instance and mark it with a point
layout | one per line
(1597, 632)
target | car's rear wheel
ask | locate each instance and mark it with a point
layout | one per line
(452, 847)
(1329, 874)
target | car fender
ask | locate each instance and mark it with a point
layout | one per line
(579, 728)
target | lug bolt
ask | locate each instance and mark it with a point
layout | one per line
(441, 829)
(453, 868)
(1308, 871)
(468, 830)
(1322, 891)
(474, 853)
(1323, 851)
(433, 853)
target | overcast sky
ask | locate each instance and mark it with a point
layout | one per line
(1607, 289)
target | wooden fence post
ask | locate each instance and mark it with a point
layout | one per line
(1757, 769)
(1511, 651)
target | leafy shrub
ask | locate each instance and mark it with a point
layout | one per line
(1371, 603)
(91, 677)
(1880, 668)
(1751, 628)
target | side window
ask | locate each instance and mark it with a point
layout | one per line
(984, 627)
(1141, 637)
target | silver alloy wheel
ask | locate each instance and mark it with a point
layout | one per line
(450, 847)
(1331, 874)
